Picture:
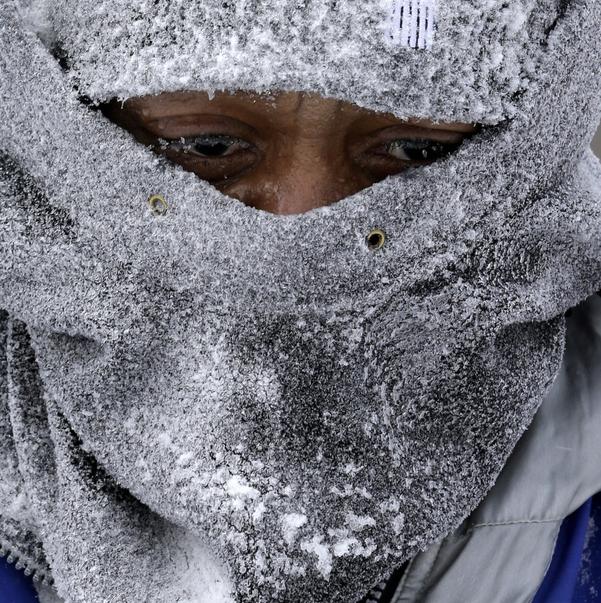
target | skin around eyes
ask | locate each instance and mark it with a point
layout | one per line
(285, 153)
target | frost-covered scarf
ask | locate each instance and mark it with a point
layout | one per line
(284, 397)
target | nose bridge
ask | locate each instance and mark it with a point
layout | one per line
(307, 182)
(304, 178)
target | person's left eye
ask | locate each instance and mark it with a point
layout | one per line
(420, 150)
(208, 146)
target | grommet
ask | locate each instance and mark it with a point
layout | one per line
(158, 205)
(376, 239)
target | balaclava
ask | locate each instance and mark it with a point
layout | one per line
(311, 404)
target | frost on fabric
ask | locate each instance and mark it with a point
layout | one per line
(482, 52)
(236, 489)
(291, 522)
(315, 412)
(194, 574)
(587, 576)
(321, 551)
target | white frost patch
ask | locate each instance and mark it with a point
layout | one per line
(237, 488)
(237, 504)
(219, 476)
(18, 508)
(358, 522)
(195, 574)
(259, 512)
(515, 18)
(237, 539)
(398, 523)
(297, 570)
(322, 551)
(352, 469)
(288, 491)
(367, 428)
(260, 561)
(130, 425)
(363, 492)
(164, 440)
(185, 459)
(291, 523)
(347, 544)
(352, 546)
(344, 546)
(391, 505)
(348, 491)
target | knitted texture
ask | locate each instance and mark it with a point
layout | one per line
(309, 410)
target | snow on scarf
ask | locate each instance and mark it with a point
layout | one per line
(222, 387)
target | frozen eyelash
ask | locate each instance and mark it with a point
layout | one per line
(428, 148)
(187, 145)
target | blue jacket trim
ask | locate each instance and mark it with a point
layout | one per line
(559, 584)
(15, 586)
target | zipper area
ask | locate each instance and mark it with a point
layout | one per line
(376, 594)
(385, 590)
(21, 562)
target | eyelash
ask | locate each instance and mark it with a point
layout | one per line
(417, 149)
(186, 145)
(424, 148)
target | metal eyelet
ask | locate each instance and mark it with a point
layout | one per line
(158, 205)
(375, 239)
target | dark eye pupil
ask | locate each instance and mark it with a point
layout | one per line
(426, 150)
(419, 152)
(215, 149)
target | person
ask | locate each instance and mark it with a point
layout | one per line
(298, 302)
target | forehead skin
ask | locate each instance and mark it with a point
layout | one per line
(280, 109)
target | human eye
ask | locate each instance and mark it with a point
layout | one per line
(216, 158)
(419, 149)
(389, 152)
(207, 146)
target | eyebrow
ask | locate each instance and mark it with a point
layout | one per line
(157, 125)
(175, 112)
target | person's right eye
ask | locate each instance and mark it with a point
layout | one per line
(212, 157)
(208, 146)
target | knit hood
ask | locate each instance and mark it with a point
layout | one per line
(308, 408)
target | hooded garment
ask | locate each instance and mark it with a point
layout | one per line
(219, 387)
